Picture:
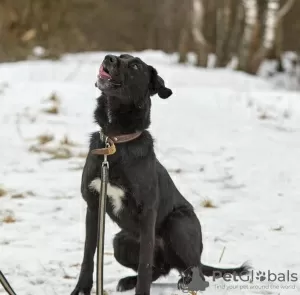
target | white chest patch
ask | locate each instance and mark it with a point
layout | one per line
(115, 194)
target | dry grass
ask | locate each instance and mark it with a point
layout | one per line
(76, 168)
(201, 169)
(30, 193)
(3, 192)
(279, 228)
(250, 103)
(45, 138)
(9, 218)
(176, 171)
(67, 141)
(54, 110)
(62, 153)
(208, 204)
(56, 153)
(286, 114)
(75, 265)
(18, 196)
(54, 98)
(82, 155)
(263, 116)
(222, 254)
(68, 277)
(3, 86)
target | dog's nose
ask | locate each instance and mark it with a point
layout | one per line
(111, 60)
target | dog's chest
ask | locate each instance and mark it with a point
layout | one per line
(115, 195)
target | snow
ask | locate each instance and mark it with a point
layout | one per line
(289, 78)
(236, 143)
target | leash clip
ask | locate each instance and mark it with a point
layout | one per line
(105, 161)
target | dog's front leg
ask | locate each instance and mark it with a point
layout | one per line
(85, 282)
(147, 239)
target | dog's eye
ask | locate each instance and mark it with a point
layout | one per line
(135, 66)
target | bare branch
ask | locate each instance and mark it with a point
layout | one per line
(285, 9)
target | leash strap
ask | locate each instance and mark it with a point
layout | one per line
(101, 221)
(108, 150)
(5, 284)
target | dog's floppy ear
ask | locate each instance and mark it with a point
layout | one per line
(157, 85)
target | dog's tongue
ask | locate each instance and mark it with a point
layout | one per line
(103, 74)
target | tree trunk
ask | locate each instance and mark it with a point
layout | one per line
(185, 31)
(165, 12)
(272, 35)
(269, 34)
(251, 13)
(224, 18)
(237, 31)
(183, 49)
(197, 32)
(220, 31)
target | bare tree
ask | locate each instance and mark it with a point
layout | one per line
(273, 31)
(153, 26)
(197, 32)
(251, 13)
(183, 48)
(237, 31)
(269, 36)
(224, 23)
(285, 9)
(277, 48)
(186, 9)
(165, 13)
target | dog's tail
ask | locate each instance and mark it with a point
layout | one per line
(210, 271)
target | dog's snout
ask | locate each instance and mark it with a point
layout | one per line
(111, 60)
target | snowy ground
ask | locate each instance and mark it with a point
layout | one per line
(239, 147)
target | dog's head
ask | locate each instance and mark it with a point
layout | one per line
(130, 79)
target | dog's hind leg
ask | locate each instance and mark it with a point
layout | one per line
(126, 252)
(85, 282)
(183, 241)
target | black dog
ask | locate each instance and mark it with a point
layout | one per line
(159, 229)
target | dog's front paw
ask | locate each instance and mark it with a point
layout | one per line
(183, 282)
(81, 291)
(127, 283)
(82, 288)
(84, 284)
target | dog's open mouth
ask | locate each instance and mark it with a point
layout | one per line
(103, 73)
